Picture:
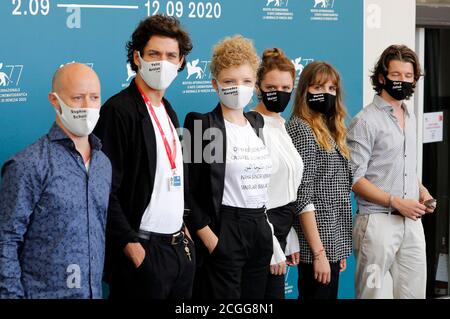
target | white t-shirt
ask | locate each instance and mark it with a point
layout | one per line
(287, 164)
(248, 168)
(164, 213)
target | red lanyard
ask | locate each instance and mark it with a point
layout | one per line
(170, 154)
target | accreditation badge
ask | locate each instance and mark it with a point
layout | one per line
(175, 182)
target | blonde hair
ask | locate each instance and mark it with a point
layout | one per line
(324, 129)
(233, 52)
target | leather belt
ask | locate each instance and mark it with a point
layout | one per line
(394, 212)
(172, 239)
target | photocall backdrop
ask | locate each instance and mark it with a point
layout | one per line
(38, 36)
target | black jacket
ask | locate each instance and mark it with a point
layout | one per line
(206, 175)
(129, 140)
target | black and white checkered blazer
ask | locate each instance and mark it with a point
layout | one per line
(325, 189)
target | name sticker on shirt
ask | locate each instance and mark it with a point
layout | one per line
(174, 183)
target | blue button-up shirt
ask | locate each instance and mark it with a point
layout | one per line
(52, 220)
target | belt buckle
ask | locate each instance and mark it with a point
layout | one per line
(175, 238)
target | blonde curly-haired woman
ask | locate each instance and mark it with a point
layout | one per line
(229, 173)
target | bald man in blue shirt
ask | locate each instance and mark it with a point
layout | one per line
(53, 200)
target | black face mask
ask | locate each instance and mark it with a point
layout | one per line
(276, 101)
(399, 90)
(324, 103)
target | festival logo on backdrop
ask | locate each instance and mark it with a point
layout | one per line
(299, 64)
(325, 4)
(129, 76)
(276, 3)
(10, 79)
(198, 77)
(130, 73)
(323, 10)
(277, 10)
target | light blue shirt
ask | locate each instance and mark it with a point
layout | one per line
(382, 153)
(52, 220)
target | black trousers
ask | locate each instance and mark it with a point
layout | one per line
(282, 219)
(238, 266)
(309, 288)
(165, 273)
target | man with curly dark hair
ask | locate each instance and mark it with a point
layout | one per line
(388, 232)
(149, 253)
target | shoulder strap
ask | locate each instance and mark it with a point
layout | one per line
(257, 122)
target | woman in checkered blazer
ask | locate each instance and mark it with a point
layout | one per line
(323, 204)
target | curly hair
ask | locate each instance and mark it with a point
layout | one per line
(274, 59)
(158, 25)
(233, 52)
(394, 52)
(320, 72)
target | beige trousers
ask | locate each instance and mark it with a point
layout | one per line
(389, 243)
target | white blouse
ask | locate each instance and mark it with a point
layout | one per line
(287, 164)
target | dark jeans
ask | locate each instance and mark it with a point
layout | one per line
(238, 266)
(309, 288)
(165, 273)
(281, 219)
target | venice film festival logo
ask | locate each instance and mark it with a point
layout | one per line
(10, 77)
(324, 10)
(277, 10)
(299, 64)
(198, 77)
(324, 3)
(130, 75)
(277, 3)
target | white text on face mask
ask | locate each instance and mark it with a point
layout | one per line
(397, 85)
(272, 96)
(318, 98)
